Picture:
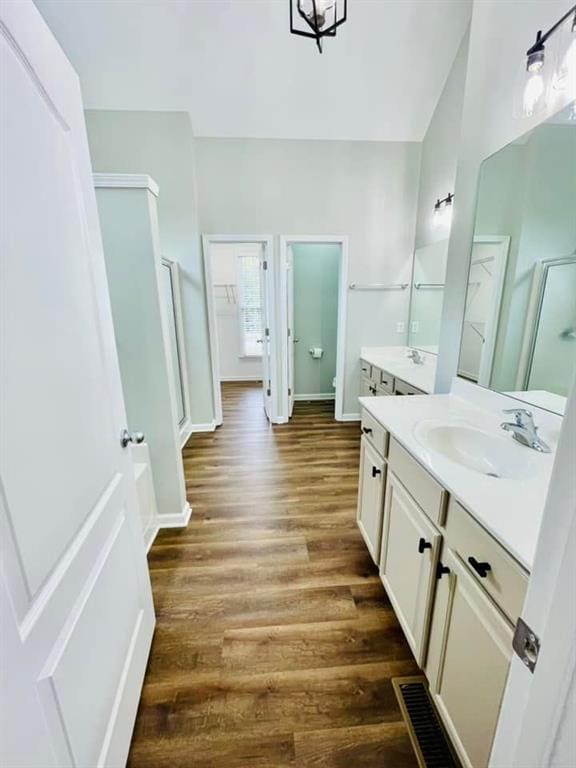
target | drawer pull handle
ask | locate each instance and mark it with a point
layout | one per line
(480, 568)
(367, 430)
(441, 570)
(373, 390)
(376, 471)
(423, 544)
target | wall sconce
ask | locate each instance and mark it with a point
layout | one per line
(538, 84)
(443, 211)
(317, 18)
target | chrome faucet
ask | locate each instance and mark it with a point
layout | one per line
(416, 357)
(524, 430)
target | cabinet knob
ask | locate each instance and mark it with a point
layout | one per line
(376, 471)
(125, 438)
(367, 430)
(373, 390)
(480, 568)
(441, 570)
(423, 544)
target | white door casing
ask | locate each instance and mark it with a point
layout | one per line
(76, 602)
(290, 322)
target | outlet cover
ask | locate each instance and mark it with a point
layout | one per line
(400, 327)
(415, 326)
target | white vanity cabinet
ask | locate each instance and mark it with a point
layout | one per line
(410, 547)
(457, 592)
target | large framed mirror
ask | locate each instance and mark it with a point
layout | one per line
(519, 331)
(170, 287)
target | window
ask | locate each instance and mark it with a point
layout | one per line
(250, 300)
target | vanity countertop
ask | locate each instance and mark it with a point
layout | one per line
(510, 509)
(395, 360)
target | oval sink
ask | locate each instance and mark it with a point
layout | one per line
(476, 450)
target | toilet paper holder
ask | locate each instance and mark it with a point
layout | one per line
(316, 352)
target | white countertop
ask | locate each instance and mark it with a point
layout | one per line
(510, 509)
(395, 360)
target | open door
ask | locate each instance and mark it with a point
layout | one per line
(75, 599)
(290, 320)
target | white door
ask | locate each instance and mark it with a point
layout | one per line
(290, 320)
(266, 295)
(76, 604)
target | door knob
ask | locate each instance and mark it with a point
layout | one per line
(258, 341)
(135, 438)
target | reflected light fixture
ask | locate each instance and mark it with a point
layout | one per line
(534, 92)
(317, 18)
(443, 211)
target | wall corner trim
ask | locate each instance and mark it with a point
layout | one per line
(208, 427)
(177, 520)
(350, 417)
(126, 181)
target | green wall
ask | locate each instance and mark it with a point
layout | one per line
(315, 268)
(161, 144)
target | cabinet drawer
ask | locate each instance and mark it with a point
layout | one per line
(374, 433)
(375, 375)
(506, 581)
(402, 388)
(386, 382)
(367, 388)
(365, 369)
(418, 482)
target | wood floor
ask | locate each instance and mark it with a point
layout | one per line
(275, 643)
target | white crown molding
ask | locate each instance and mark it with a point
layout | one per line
(125, 181)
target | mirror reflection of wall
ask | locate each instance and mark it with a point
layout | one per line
(429, 275)
(519, 333)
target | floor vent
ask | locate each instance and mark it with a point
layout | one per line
(431, 745)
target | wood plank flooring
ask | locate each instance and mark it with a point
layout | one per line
(275, 642)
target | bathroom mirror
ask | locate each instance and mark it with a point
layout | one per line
(519, 332)
(427, 296)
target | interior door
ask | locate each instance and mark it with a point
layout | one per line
(266, 292)
(76, 605)
(291, 338)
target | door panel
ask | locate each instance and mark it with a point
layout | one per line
(371, 497)
(408, 573)
(266, 298)
(75, 588)
(468, 676)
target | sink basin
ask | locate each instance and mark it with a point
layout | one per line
(475, 449)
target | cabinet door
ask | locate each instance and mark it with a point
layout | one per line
(410, 545)
(370, 497)
(470, 652)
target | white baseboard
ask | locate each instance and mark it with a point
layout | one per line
(149, 537)
(178, 520)
(321, 396)
(185, 432)
(350, 417)
(240, 378)
(209, 427)
(280, 420)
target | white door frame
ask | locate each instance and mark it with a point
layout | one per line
(285, 242)
(267, 242)
(185, 428)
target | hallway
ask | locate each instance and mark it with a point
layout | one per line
(275, 643)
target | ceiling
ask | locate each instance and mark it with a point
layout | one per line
(234, 66)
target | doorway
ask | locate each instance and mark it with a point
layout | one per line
(239, 274)
(313, 312)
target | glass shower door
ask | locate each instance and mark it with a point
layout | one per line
(553, 357)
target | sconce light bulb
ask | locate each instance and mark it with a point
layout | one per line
(533, 91)
(535, 61)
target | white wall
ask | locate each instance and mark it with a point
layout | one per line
(499, 36)
(224, 267)
(161, 144)
(366, 190)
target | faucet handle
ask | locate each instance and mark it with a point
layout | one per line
(520, 414)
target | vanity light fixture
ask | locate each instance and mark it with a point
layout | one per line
(534, 91)
(443, 210)
(317, 18)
